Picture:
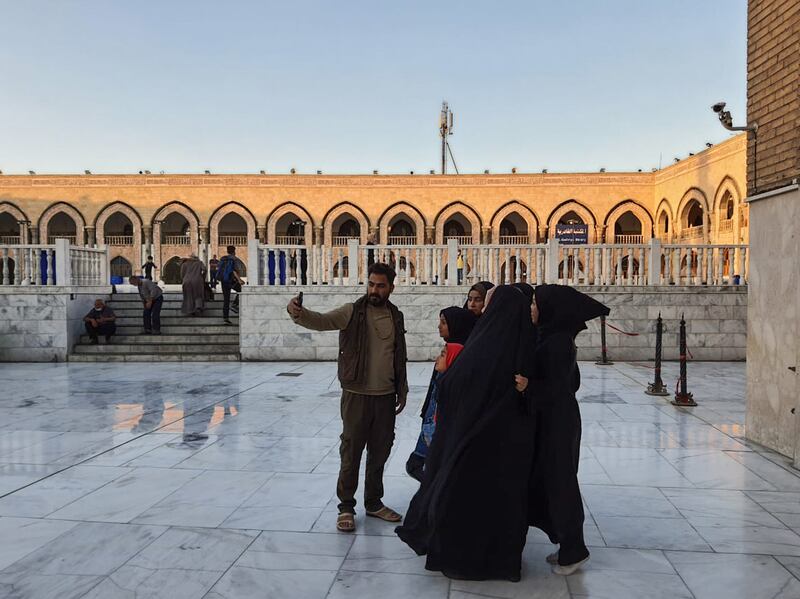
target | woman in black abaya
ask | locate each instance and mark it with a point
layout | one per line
(555, 505)
(470, 515)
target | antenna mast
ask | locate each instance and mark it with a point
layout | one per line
(445, 130)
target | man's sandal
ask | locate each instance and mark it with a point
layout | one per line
(346, 523)
(387, 514)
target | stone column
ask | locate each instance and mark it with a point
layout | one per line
(318, 235)
(486, 236)
(707, 226)
(91, 241)
(376, 234)
(24, 228)
(542, 234)
(35, 235)
(261, 233)
(599, 234)
(430, 235)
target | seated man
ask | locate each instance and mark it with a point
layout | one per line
(100, 321)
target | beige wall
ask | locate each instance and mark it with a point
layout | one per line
(428, 200)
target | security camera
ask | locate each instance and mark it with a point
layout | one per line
(718, 107)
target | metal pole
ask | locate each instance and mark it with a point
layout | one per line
(657, 387)
(682, 396)
(604, 361)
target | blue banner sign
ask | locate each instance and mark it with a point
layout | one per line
(572, 234)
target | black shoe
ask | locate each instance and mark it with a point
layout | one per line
(228, 321)
(94, 341)
(415, 467)
(156, 332)
(108, 338)
(147, 332)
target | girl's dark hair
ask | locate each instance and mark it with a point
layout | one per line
(379, 268)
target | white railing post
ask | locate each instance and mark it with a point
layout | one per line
(62, 262)
(253, 262)
(105, 265)
(452, 262)
(551, 261)
(353, 263)
(654, 264)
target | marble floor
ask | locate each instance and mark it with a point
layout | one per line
(218, 481)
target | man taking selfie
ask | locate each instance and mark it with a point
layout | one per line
(372, 373)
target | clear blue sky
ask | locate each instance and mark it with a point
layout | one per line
(116, 86)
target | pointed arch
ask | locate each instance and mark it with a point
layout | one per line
(290, 208)
(720, 221)
(194, 228)
(404, 209)
(111, 209)
(466, 212)
(339, 210)
(578, 208)
(515, 207)
(18, 215)
(72, 212)
(635, 208)
(693, 194)
(231, 208)
(664, 209)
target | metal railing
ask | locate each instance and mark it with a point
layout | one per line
(591, 264)
(176, 240)
(402, 239)
(695, 232)
(626, 238)
(341, 240)
(290, 239)
(461, 239)
(237, 240)
(51, 239)
(53, 264)
(118, 240)
(513, 239)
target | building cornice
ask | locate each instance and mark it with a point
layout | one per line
(329, 181)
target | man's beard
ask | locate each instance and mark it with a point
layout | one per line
(375, 300)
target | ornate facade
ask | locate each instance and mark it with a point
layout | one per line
(698, 200)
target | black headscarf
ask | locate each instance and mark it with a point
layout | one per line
(565, 309)
(526, 290)
(460, 323)
(481, 287)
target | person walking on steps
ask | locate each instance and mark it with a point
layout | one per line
(372, 373)
(152, 300)
(229, 276)
(148, 268)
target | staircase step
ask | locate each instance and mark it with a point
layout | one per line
(180, 328)
(170, 312)
(153, 357)
(156, 348)
(165, 338)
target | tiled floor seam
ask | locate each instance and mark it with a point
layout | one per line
(238, 557)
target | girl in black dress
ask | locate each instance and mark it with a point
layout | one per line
(559, 313)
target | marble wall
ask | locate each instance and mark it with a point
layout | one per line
(39, 324)
(773, 350)
(715, 316)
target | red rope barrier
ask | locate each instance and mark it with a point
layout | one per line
(611, 326)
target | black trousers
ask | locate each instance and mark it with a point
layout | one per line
(368, 422)
(152, 315)
(226, 299)
(107, 328)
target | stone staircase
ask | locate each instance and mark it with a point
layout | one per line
(183, 338)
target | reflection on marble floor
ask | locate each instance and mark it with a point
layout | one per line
(218, 481)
